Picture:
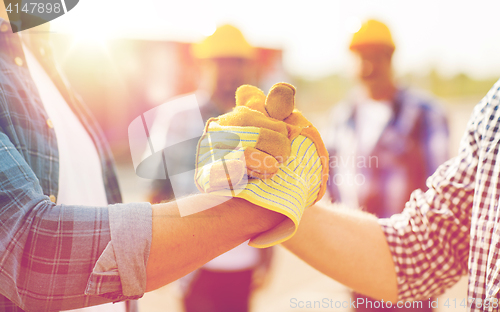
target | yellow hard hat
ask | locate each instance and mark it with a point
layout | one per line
(372, 32)
(226, 41)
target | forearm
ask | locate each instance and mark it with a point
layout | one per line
(348, 246)
(180, 245)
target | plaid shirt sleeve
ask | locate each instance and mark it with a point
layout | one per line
(429, 240)
(58, 257)
(52, 256)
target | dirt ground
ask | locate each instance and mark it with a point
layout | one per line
(292, 280)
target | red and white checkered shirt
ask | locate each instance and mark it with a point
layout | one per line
(453, 229)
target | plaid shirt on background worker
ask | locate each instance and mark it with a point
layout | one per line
(404, 147)
(453, 229)
(56, 257)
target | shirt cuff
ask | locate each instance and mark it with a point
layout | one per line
(395, 247)
(120, 271)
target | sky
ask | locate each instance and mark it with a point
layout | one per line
(451, 36)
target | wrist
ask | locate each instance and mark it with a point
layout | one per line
(249, 218)
(257, 218)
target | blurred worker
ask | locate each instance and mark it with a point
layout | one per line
(224, 284)
(384, 140)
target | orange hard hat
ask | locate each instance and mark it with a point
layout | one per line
(226, 41)
(372, 32)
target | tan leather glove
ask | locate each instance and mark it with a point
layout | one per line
(266, 152)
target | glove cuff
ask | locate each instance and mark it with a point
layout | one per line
(313, 134)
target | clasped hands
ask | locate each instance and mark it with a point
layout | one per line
(267, 152)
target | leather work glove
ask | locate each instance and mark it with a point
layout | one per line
(266, 152)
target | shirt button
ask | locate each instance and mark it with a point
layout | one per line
(52, 198)
(50, 124)
(19, 61)
(4, 27)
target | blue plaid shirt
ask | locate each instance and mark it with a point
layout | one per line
(408, 150)
(58, 257)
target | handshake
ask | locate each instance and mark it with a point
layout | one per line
(266, 152)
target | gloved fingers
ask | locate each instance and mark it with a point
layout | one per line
(243, 116)
(230, 137)
(278, 104)
(274, 144)
(228, 170)
(226, 174)
(216, 155)
(296, 123)
(280, 101)
(259, 164)
(258, 175)
(214, 147)
(252, 97)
